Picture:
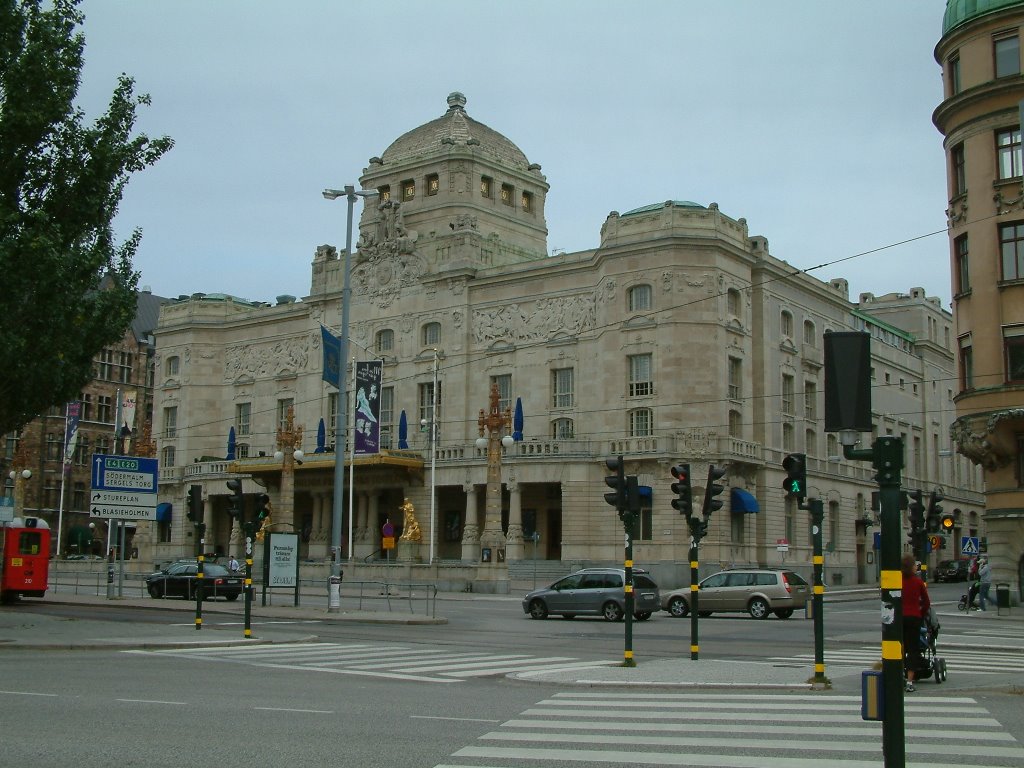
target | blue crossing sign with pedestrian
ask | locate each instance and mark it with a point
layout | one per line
(969, 545)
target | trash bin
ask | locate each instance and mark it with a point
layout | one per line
(334, 593)
(1003, 599)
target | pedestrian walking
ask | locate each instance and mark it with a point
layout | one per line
(233, 565)
(984, 582)
(916, 604)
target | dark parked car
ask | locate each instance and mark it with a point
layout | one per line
(594, 592)
(180, 580)
(952, 570)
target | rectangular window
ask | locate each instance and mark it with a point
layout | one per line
(788, 406)
(735, 424)
(958, 166)
(1007, 56)
(1014, 346)
(966, 364)
(1011, 249)
(384, 193)
(963, 272)
(735, 376)
(953, 70)
(508, 194)
(640, 384)
(788, 443)
(640, 298)
(1008, 150)
(486, 187)
(385, 341)
(433, 184)
(810, 400)
(408, 190)
(526, 202)
(171, 422)
(562, 429)
(387, 416)
(105, 409)
(243, 419)
(431, 334)
(562, 388)
(641, 423)
(283, 406)
(504, 382)
(427, 401)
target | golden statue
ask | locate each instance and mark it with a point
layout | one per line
(410, 528)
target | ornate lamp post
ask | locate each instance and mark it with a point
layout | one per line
(494, 422)
(289, 453)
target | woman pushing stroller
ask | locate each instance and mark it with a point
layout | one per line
(916, 604)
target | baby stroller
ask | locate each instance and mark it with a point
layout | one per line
(967, 601)
(931, 662)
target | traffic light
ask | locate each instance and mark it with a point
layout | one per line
(617, 498)
(946, 523)
(235, 502)
(262, 507)
(915, 506)
(195, 504)
(711, 490)
(683, 489)
(943, 523)
(795, 483)
(698, 528)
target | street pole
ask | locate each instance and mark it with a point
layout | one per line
(248, 527)
(433, 464)
(886, 455)
(817, 509)
(199, 576)
(694, 586)
(351, 195)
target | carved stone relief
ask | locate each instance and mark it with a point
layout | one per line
(254, 360)
(535, 321)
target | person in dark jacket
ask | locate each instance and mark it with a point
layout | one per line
(915, 607)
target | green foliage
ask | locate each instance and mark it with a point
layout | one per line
(67, 289)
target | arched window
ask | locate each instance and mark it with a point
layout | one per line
(171, 366)
(167, 456)
(641, 422)
(809, 335)
(431, 334)
(733, 300)
(786, 322)
(640, 298)
(385, 341)
(563, 429)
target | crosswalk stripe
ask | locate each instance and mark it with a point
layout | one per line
(699, 730)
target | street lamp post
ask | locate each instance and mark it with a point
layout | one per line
(289, 453)
(351, 194)
(493, 422)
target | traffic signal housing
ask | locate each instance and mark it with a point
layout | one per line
(946, 522)
(795, 483)
(236, 504)
(711, 490)
(683, 489)
(262, 506)
(195, 504)
(943, 522)
(617, 482)
(915, 506)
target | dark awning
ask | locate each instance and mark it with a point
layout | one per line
(743, 502)
(163, 512)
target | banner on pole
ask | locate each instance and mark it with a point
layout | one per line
(74, 413)
(127, 426)
(367, 414)
(332, 358)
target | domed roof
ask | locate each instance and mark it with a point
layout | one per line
(659, 206)
(454, 128)
(961, 11)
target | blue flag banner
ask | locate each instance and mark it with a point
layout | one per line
(368, 377)
(74, 413)
(332, 358)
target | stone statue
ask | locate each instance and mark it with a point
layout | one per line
(410, 528)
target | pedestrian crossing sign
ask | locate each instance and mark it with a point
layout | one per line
(969, 545)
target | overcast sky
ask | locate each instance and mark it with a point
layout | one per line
(811, 119)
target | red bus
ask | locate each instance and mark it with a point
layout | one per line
(25, 563)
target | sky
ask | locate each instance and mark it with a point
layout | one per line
(811, 119)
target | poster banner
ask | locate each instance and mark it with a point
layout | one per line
(127, 426)
(74, 414)
(332, 358)
(367, 415)
(281, 565)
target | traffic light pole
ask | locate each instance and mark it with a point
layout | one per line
(817, 509)
(694, 591)
(199, 576)
(886, 455)
(249, 529)
(627, 654)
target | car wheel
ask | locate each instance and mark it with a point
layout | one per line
(538, 610)
(703, 614)
(611, 611)
(642, 615)
(568, 615)
(678, 608)
(232, 597)
(784, 613)
(758, 608)
(154, 591)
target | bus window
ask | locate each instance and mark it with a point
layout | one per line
(28, 543)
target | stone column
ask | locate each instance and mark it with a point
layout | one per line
(470, 528)
(514, 539)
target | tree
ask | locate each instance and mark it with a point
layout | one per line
(67, 289)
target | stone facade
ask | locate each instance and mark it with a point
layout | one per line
(979, 118)
(679, 338)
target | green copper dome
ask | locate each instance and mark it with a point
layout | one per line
(961, 11)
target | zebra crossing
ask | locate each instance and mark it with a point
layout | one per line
(977, 659)
(399, 662)
(712, 730)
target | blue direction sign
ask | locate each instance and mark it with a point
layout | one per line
(969, 545)
(123, 487)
